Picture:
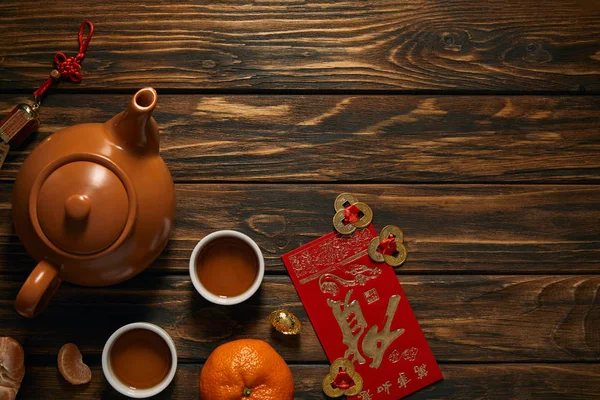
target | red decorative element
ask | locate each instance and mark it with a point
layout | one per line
(343, 380)
(350, 326)
(388, 246)
(42, 89)
(351, 214)
(69, 67)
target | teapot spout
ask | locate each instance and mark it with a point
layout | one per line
(134, 128)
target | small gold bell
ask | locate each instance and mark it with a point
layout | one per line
(285, 322)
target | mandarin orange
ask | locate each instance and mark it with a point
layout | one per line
(12, 368)
(71, 366)
(246, 369)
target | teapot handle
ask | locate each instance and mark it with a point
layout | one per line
(37, 290)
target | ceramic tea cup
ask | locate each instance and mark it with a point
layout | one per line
(139, 360)
(227, 267)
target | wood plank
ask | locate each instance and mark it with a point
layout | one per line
(362, 138)
(465, 318)
(498, 229)
(493, 382)
(286, 44)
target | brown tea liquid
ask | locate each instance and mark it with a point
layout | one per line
(227, 267)
(140, 359)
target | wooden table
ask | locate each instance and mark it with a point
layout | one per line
(474, 125)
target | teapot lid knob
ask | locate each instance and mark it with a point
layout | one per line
(77, 206)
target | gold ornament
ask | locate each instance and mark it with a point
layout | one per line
(285, 322)
(342, 379)
(389, 234)
(362, 213)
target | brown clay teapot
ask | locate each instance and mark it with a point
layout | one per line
(94, 204)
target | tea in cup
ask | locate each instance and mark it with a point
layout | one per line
(227, 267)
(139, 360)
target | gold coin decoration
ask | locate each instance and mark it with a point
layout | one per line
(358, 385)
(400, 255)
(394, 230)
(351, 383)
(285, 322)
(398, 259)
(342, 363)
(367, 217)
(328, 388)
(340, 204)
(372, 250)
(338, 224)
(344, 200)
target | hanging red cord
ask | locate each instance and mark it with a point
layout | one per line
(68, 67)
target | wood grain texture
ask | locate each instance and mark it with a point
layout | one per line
(464, 318)
(448, 228)
(478, 45)
(355, 138)
(497, 190)
(492, 382)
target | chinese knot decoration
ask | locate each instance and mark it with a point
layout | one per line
(68, 67)
(23, 120)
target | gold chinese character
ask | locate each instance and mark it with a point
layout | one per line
(410, 354)
(331, 283)
(365, 395)
(371, 296)
(376, 342)
(350, 318)
(421, 371)
(394, 356)
(384, 387)
(402, 381)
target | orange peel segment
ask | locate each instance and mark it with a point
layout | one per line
(71, 366)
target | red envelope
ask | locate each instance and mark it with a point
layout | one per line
(360, 312)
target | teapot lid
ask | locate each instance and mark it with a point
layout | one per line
(82, 204)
